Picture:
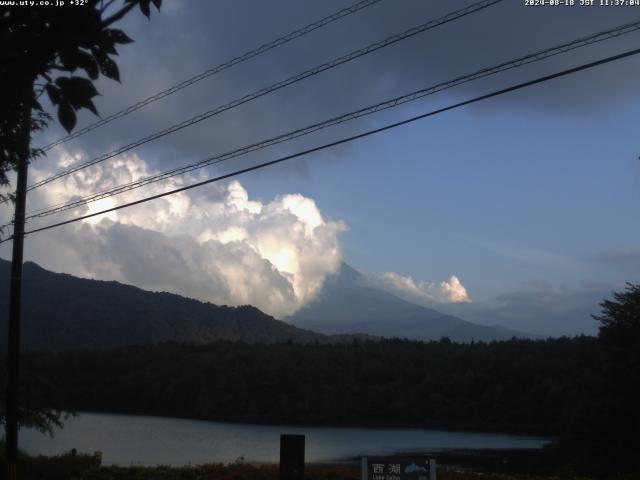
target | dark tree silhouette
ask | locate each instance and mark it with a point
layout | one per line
(602, 433)
(41, 49)
(620, 318)
(620, 359)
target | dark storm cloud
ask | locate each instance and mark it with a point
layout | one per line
(188, 37)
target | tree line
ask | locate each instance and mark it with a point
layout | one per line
(517, 386)
(581, 390)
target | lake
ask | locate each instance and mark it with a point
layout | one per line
(142, 440)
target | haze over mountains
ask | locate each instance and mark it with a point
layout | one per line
(62, 312)
(349, 304)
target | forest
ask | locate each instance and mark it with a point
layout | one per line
(517, 386)
(582, 391)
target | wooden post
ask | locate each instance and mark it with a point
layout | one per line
(291, 457)
(15, 295)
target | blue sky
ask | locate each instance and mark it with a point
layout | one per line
(500, 195)
(533, 192)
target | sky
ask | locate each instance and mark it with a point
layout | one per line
(519, 210)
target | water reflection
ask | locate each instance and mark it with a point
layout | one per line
(130, 439)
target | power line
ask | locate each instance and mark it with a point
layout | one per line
(277, 86)
(217, 69)
(391, 103)
(348, 139)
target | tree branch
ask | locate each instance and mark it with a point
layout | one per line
(104, 8)
(119, 14)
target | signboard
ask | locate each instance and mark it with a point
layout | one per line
(398, 468)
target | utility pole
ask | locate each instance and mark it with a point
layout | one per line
(15, 291)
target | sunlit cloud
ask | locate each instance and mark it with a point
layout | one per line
(448, 291)
(217, 245)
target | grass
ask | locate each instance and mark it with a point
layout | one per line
(86, 467)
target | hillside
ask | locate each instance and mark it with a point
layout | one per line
(63, 312)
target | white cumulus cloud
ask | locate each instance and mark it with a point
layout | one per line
(214, 243)
(422, 292)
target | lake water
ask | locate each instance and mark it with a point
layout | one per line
(141, 440)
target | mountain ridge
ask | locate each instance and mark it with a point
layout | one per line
(347, 304)
(63, 312)
(108, 314)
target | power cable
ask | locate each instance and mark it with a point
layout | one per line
(276, 86)
(387, 104)
(347, 139)
(356, 7)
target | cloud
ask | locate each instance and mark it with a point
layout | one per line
(454, 291)
(215, 244)
(449, 291)
(625, 260)
(541, 308)
(204, 29)
(226, 221)
(536, 307)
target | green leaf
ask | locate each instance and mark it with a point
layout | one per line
(108, 46)
(67, 116)
(109, 69)
(144, 8)
(69, 58)
(89, 65)
(76, 58)
(54, 93)
(104, 45)
(89, 105)
(118, 36)
(37, 106)
(76, 88)
(77, 92)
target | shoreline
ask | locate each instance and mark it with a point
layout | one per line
(516, 432)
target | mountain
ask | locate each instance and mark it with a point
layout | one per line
(347, 304)
(62, 312)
